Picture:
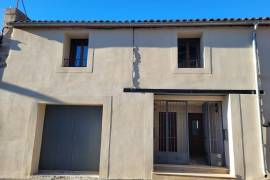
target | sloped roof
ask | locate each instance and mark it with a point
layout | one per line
(143, 23)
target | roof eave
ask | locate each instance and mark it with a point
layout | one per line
(136, 25)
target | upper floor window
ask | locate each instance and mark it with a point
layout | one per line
(78, 53)
(189, 55)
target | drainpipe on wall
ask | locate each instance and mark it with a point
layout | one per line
(258, 85)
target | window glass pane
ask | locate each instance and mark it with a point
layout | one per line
(182, 55)
(193, 58)
(194, 55)
(162, 131)
(189, 53)
(85, 55)
(172, 132)
(77, 56)
(193, 52)
(78, 53)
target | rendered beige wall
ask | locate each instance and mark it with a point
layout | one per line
(131, 155)
(228, 51)
(32, 75)
(248, 160)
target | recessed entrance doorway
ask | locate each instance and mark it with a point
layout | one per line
(188, 133)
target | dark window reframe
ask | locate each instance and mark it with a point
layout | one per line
(189, 53)
(78, 53)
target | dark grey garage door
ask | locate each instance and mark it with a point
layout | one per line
(71, 138)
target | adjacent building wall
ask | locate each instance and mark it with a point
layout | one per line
(263, 40)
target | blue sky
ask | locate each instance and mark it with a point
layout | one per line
(139, 9)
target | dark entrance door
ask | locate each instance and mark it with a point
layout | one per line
(71, 138)
(196, 138)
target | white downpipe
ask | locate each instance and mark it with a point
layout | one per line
(258, 102)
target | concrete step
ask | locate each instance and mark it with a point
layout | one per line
(190, 169)
(191, 177)
(200, 172)
(64, 178)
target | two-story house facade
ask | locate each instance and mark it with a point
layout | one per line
(150, 99)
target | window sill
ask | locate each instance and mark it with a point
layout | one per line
(192, 71)
(74, 70)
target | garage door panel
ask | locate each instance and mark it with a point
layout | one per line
(71, 138)
(63, 150)
(87, 157)
(48, 154)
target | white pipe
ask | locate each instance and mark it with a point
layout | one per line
(258, 102)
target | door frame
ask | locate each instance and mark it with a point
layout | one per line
(227, 102)
(186, 121)
(202, 121)
(36, 130)
(186, 99)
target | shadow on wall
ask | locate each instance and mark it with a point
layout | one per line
(152, 38)
(242, 140)
(239, 177)
(114, 38)
(7, 45)
(136, 68)
(27, 92)
(14, 45)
